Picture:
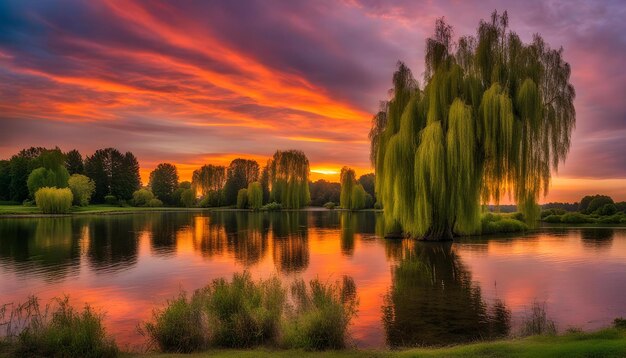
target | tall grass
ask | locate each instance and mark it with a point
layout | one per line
(537, 322)
(53, 200)
(243, 313)
(496, 224)
(320, 315)
(58, 330)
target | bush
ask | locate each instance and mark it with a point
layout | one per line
(576, 218)
(82, 188)
(619, 323)
(552, 219)
(273, 206)
(255, 195)
(329, 205)
(496, 224)
(598, 202)
(110, 200)
(607, 210)
(212, 199)
(537, 322)
(321, 315)
(552, 211)
(242, 198)
(53, 200)
(142, 197)
(613, 219)
(188, 198)
(237, 314)
(59, 331)
(155, 203)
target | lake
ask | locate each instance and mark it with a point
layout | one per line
(410, 293)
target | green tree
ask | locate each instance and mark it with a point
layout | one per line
(255, 195)
(142, 197)
(323, 191)
(51, 171)
(239, 174)
(598, 202)
(5, 180)
(82, 189)
(164, 181)
(368, 181)
(288, 174)
(242, 198)
(348, 182)
(358, 198)
(208, 182)
(494, 117)
(74, 162)
(114, 173)
(188, 198)
(54, 200)
(20, 166)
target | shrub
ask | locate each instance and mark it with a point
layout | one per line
(552, 219)
(110, 200)
(321, 315)
(598, 202)
(242, 198)
(273, 206)
(497, 223)
(255, 195)
(329, 205)
(212, 199)
(607, 210)
(155, 203)
(53, 200)
(180, 327)
(537, 322)
(619, 323)
(576, 218)
(613, 219)
(236, 314)
(188, 198)
(142, 197)
(82, 188)
(60, 331)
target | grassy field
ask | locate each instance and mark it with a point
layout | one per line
(605, 343)
(90, 209)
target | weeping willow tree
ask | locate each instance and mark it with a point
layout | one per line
(347, 178)
(493, 119)
(288, 174)
(208, 179)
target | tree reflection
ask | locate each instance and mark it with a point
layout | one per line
(113, 241)
(49, 246)
(597, 238)
(290, 244)
(433, 301)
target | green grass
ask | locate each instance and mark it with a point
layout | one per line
(605, 343)
(90, 209)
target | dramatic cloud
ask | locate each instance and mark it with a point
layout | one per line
(195, 82)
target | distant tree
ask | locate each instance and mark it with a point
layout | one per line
(51, 171)
(563, 206)
(255, 195)
(5, 180)
(323, 191)
(368, 181)
(598, 202)
(358, 198)
(184, 185)
(265, 182)
(607, 209)
(208, 182)
(621, 206)
(82, 189)
(142, 197)
(20, 166)
(114, 173)
(242, 198)
(74, 162)
(348, 182)
(164, 181)
(289, 179)
(187, 198)
(239, 174)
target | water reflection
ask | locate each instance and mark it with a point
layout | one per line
(433, 301)
(112, 241)
(597, 238)
(290, 241)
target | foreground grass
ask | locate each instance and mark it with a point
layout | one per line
(605, 343)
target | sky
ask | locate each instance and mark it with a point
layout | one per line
(205, 82)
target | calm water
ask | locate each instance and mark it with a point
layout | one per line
(410, 293)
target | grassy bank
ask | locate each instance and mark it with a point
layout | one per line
(605, 343)
(21, 210)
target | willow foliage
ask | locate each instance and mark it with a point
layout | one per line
(493, 119)
(347, 178)
(208, 179)
(288, 173)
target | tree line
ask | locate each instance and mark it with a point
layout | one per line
(109, 176)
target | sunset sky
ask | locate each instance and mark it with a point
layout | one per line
(198, 82)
